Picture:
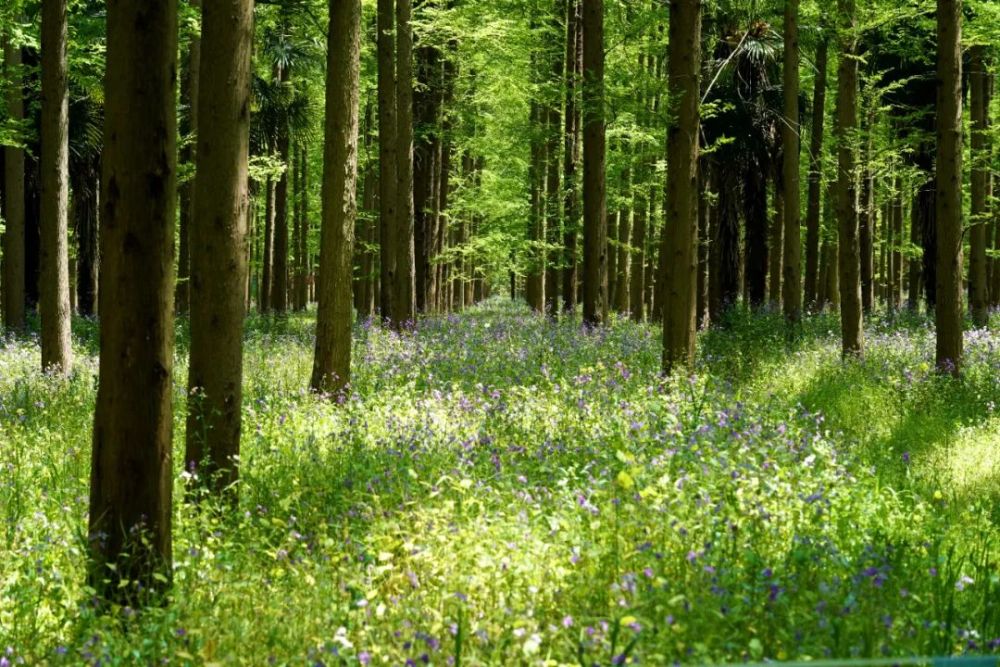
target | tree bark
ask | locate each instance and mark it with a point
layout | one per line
(812, 286)
(534, 289)
(189, 99)
(866, 233)
(756, 250)
(279, 260)
(14, 235)
(852, 334)
(388, 201)
(916, 269)
(86, 202)
(54, 302)
(790, 129)
(332, 364)
(218, 244)
(896, 256)
(978, 284)
(404, 289)
(131, 476)
(948, 315)
(264, 298)
(680, 237)
(595, 223)
(571, 152)
(774, 256)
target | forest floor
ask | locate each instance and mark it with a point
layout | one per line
(504, 490)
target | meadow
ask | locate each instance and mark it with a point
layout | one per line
(500, 489)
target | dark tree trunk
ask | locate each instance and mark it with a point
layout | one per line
(790, 129)
(388, 202)
(866, 232)
(131, 477)
(595, 223)
(279, 266)
(54, 301)
(14, 201)
(332, 362)
(979, 297)
(812, 284)
(189, 129)
(404, 286)
(218, 245)
(755, 185)
(776, 240)
(86, 184)
(264, 298)
(948, 314)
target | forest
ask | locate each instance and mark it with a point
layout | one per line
(500, 332)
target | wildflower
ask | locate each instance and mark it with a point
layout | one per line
(964, 581)
(364, 657)
(906, 458)
(567, 621)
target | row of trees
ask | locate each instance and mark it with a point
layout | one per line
(443, 206)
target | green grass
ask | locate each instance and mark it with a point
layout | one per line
(502, 490)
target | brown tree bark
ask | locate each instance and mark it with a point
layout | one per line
(388, 200)
(774, 255)
(812, 285)
(595, 223)
(705, 211)
(978, 283)
(849, 262)
(915, 278)
(756, 246)
(332, 363)
(896, 256)
(131, 477)
(189, 128)
(790, 129)
(571, 153)
(948, 314)
(279, 259)
(86, 200)
(623, 272)
(404, 288)
(264, 298)
(54, 301)
(218, 244)
(866, 233)
(534, 288)
(426, 116)
(14, 234)
(680, 237)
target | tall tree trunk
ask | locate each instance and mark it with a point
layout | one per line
(866, 233)
(896, 279)
(189, 99)
(388, 201)
(131, 477)
(774, 255)
(302, 256)
(790, 129)
(332, 363)
(595, 223)
(218, 244)
(264, 298)
(86, 201)
(756, 250)
(14, 236)
(849, 261)
(704, 230)
(54, 306)
(637, 288)
(978, 284)
(680, 237)
(812, 285)
(571, 153)
(620, 297)
(426, 101)
(724, 275)
(279, 266)
(948, 315)
(915, 281)
(404, 289)
(535, 281)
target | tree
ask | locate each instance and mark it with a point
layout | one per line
(13, 237)
(849, 261)
(54, 303)
(189, 98)
(332, 362)
(404, 289)
(571, 152)
(595, 222)
(812, 285)
(131, 477)
(680, 236)
(792, 264)
(948, 315)
(388, 201)
(979, 297)
(218, 242)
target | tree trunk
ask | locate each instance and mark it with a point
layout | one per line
(849, 261)
(774, 255)
(620, 297)
(812, 285)
(218, 244)
(302, 255)
(595, 223)
(279, 266)
(949, 187)
(54, 306)
(535, 281)
(755, 189)
(332, 363)
(915, 280)
(790, 129)
(978, 284)
(636, 290)
(131, 477)
(264, 298)
(704, 227)
(724, 273)
(426, 112)
(680, 237)
(189, 99)
(388, 201)
(86, 201)
(896, 256)
(866, 232)
(404, 289)
(571, 153)
(14, 236)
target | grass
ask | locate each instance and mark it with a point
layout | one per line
(500, 489)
